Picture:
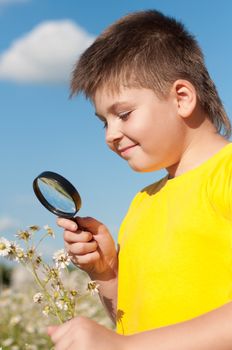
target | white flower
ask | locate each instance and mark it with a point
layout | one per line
(53, 274)
(30, 253)
(92, 287)
(8, 342)
(62, 305)
(15, 252)
(5, 246)
(38, 260)
(19, 253)
(14, 347)
(15, 320)
(58, 286)
(50, 231)
(30, 329)
(31, 347)
(73, 293)
(24, 235)
(46, 310)
(38, 298)
(61, 259)
(34, 228)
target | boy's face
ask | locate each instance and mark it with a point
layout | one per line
(141, 128)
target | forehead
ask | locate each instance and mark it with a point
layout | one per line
(109, 95)
(104, 94)
(107, 99)
(113, 87)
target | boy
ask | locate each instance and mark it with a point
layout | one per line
(173, 273)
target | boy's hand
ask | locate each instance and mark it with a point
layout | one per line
(81, 333)
(90, 246)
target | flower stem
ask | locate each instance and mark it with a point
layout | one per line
(48, 296)
(41, 239)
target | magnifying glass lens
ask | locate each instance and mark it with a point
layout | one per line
(54, 193)
(57, 194)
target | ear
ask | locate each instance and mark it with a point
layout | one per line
(186, 97)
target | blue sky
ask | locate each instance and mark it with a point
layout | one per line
(42, 129)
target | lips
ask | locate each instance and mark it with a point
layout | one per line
(125, 150)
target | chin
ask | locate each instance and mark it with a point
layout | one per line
(144, 169)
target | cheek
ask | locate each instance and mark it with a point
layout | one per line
(146, 131)
(138, 129)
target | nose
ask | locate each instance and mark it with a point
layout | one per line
(113, 133)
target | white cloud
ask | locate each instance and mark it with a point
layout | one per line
(46, 54)
(7, 223)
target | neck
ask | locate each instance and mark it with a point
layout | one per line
(199, 147)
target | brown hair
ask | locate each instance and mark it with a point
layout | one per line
(150, 50)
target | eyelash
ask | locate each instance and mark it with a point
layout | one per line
(122, 116)
(125, 115)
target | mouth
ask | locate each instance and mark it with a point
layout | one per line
(124, 151)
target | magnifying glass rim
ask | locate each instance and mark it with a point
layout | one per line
(68, 187)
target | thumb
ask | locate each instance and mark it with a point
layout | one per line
(51, 330)
(90, 224)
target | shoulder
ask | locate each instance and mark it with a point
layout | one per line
(148, 191)
(220, 169)
(219, 183)
(143, 197)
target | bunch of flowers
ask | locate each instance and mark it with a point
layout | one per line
(53, 296)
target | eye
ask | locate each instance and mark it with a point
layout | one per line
(124, 115)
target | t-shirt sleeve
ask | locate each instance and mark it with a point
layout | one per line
(219, 190)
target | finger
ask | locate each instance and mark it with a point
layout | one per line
(78, 236)
(51, 329)
(86, 259)
(82, 248)
(66, 343)
(89, 224)
(67, 224)
(60, 331)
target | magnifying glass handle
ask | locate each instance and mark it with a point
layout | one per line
(79, 226)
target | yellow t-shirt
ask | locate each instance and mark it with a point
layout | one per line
(175, 258)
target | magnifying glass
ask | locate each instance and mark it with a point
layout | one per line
(57, 194)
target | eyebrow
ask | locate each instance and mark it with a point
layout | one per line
(113, 108)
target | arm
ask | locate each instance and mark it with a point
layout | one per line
(108, 295)
(211, 331)
(92, 249)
